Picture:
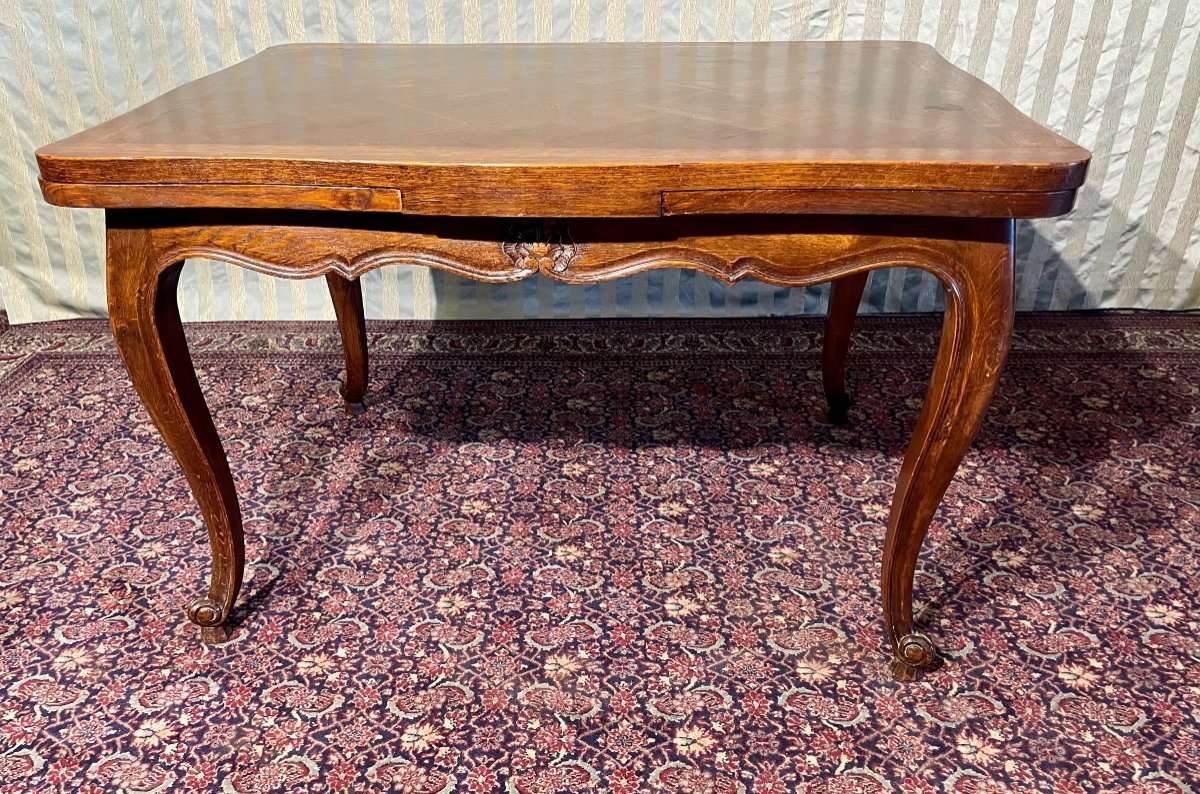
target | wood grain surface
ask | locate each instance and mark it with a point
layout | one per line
(577, 130)
(971, 257)
(791, 164)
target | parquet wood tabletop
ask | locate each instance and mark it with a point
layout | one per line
(516, 130)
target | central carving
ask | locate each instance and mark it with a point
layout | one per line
(540, 245)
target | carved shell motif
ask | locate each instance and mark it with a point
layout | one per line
(540, 246)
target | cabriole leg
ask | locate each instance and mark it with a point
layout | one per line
(974, 344)
(844, 297)
(348, 306)
(149, 336)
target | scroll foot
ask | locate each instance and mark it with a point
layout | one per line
(912, 655)
(210, 617)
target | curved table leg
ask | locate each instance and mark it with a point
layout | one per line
(145, 324)
(348, 306)
(844, 297)
(974, 344)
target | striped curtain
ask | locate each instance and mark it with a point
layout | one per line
(1121, 77)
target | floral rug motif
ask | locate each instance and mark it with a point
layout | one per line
(605, 557)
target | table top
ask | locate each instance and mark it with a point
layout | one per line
(587, 129)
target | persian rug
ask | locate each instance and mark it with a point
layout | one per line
(606, 557)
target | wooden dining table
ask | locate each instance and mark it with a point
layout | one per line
(790, 163)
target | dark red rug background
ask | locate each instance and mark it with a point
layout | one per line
(615, 556)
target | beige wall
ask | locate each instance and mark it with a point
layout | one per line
(1120, 76)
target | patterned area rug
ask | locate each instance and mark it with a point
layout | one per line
(610, 557)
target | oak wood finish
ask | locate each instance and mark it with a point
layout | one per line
(975, 335)
(609, 130)
(844, 296)
(297, 197)
(788, 163)
(144, 316)
(352, 324)
(977, 204)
